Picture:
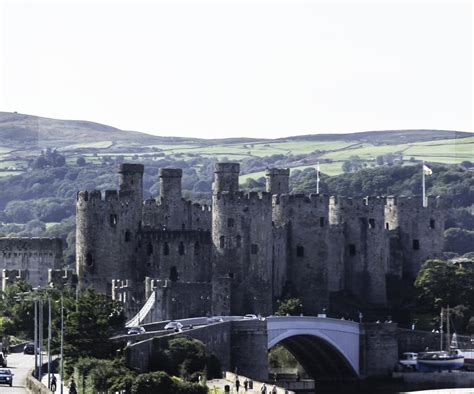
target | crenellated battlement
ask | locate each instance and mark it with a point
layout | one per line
(358, 203)
(277, 172)
(313, 199)
(415, 202)
(243, 197)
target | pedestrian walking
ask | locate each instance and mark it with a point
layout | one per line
(72, 387)
(246, 384)
(53, 383)
(263, 390)
(274, 390)
(237, 384)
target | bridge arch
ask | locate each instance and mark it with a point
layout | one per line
(324, 347)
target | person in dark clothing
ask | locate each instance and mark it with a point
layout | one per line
(53, 383)
(237, 384)
(72, 387)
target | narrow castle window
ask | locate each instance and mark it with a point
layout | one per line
(239, 241)
(128, 236)
(321, 222)
(371, 223)
(166, 249)
(387, 226)
(181, 249)
(299, 251)
(230, 222)
(222, 242)
(432, 223)
(352, 250)
(174, 276)
(89, 261)
(149, 249)
(416, 244)
(113, 220)
(254, 249)
(197, 248)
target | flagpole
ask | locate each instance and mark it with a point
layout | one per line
(317, 179)
(423, 183)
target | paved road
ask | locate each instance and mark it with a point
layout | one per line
(19, 364)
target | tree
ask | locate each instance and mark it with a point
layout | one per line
(442, 283)
(81, 161)
(89, 325)
(290, 306)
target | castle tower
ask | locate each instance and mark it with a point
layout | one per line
(277, 180)
(242, 243)
(365, 245)
(310, 252)
(420, 231)
(131, 179)
(107, 231)
(170, 184)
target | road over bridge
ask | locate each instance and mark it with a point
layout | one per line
(324, 347)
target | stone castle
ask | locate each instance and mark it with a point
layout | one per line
(248, 249)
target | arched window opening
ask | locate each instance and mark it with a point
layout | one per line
(166, 249)
(113, 220)
(222, 242)
(89, 260)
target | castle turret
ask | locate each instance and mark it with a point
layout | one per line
(226, 177)
(131, 179)
(170, 184)
(278, 180)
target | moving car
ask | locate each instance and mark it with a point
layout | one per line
(6, 377)
(174, 325)
(29, 348)
(214, 319)
(136, 330)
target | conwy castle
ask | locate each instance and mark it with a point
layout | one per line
(239, 255)
(248, 249)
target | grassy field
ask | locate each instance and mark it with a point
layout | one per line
(89, 145)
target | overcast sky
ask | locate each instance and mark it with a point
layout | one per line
(228, 69)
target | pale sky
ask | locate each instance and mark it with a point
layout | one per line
(235, 69)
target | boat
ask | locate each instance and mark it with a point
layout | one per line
(466, 352)
(408, 360)
(443, 360)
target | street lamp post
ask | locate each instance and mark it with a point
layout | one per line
(49, 341)
(35, 340)
(62, 343)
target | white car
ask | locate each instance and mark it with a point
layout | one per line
(136, 330)
(174, 325)
(214, 319)
(249, 316)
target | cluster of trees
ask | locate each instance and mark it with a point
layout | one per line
(90, 320)
(444, 283)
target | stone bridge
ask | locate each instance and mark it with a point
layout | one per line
(329, 348)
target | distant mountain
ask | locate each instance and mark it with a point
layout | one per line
(22, 131)
(34, 131)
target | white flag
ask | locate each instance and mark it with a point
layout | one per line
(427, 170)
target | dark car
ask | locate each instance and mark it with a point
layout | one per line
(6, 376)
(29, 348)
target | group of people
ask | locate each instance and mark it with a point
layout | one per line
(72, 385)
(263, 389)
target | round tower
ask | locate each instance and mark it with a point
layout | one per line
(226, 177)
(277, 180)
(170, 183)
(131, 179)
